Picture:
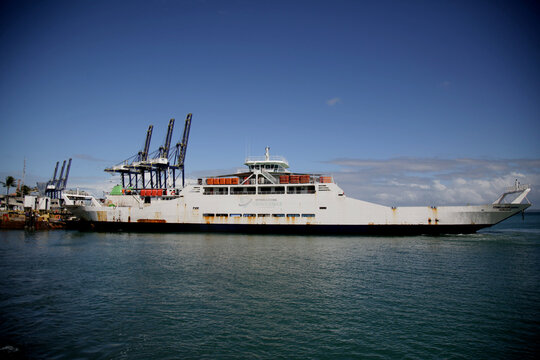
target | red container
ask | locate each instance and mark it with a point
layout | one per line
(284, 179)
(325, 179)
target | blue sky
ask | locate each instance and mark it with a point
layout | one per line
(330, 85)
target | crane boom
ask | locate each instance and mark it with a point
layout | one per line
(164, 150)
(184, 143)
(64, 181)
(59, 181)
(143, 155)
(55, 171)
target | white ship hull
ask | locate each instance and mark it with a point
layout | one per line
(326, 210)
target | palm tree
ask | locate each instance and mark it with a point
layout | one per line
(10, 182)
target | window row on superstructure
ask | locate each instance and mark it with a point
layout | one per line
(260, 190)
(258, 215)
(266, 178)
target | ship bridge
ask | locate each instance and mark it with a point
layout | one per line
(274, 164)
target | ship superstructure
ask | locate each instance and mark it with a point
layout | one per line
(268, 198)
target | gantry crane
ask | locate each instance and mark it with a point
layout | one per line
(54, 187)
(157, 170)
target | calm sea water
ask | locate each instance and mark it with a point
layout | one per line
(72, 295)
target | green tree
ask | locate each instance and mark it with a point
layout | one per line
(10, 182)
(25, 190)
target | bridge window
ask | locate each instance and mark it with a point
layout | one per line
(309, 189)
(243, 190)
(216, 191)
(271, 190)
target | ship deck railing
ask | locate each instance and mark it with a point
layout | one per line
(517, 188)
(520, 190)
(264, 159)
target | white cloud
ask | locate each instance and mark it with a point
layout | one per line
(96, 186)
(432, 181)
(438, 186)
(88, 157)
(333, 101)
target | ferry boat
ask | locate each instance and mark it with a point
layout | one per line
(268, 198)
